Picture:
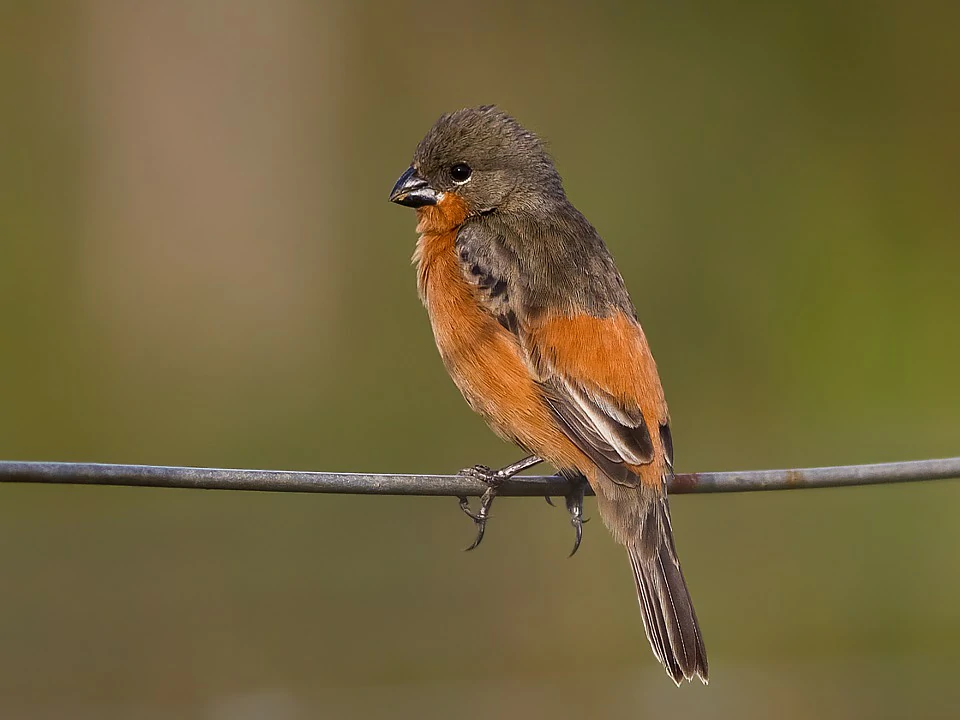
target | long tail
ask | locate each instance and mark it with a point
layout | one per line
(668, 615)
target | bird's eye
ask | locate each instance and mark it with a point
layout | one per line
(460, 172)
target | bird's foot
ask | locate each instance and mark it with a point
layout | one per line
(574, 501)
(493, 479)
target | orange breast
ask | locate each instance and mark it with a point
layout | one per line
(484, 360)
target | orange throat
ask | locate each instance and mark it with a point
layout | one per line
(438, 225)
(448, 214)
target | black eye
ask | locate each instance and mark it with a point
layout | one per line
(460, 172)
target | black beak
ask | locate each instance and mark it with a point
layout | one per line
(413, 191)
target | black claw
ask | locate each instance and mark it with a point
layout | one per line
(481, 527)
(481, 516)
(549, 500)
(578, 528)
(574, 503)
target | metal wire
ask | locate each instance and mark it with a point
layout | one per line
(455, 485)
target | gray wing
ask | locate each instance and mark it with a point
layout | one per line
(487, 263)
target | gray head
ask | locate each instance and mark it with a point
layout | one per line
(483, 156)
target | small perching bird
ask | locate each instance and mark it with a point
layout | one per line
(536, 328)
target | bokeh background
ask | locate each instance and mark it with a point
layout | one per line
(198, 266)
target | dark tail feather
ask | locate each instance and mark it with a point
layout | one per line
(668, 614)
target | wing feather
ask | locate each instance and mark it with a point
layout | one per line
(601, 384)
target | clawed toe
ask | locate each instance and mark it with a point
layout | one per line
(481, 516)
(574, 502)
(492, 479)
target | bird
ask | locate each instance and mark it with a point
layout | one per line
(536, 328)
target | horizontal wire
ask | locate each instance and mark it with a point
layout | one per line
(457, 485)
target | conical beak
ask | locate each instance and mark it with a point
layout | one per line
(413, 191)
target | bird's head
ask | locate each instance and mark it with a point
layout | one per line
(479, 160)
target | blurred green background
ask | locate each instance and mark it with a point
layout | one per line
(198, 266)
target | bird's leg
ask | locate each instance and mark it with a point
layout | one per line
(493, 480)
(574, 500)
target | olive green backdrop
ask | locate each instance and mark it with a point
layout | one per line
(198, 265)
